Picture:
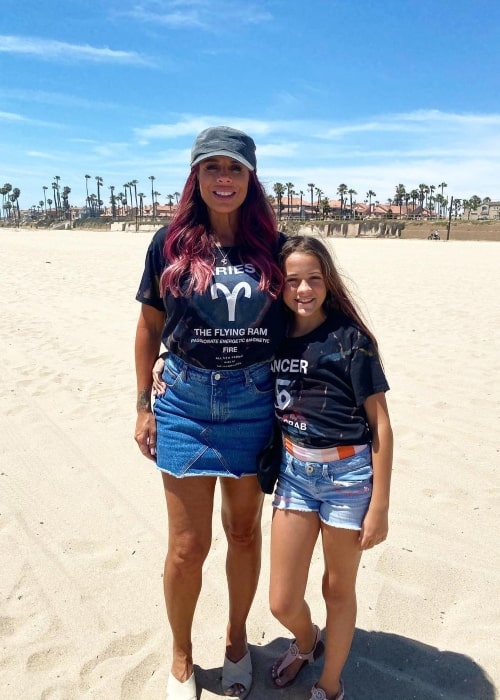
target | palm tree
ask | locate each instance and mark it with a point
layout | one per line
(423, 191)
(100, 183)
(445, 206)
(87, 178)
(112, 201)
(134, 183)
(319, 194)
(350, 193)
(57, 179)
(301, 213)
(170, 198)
(474, 201)
(141, 196)
(4, 191)
(414, 198)
(45, 188)
(65, 199)
(155, 202)
(279, 191)
(439, 199)
(311, 187)
(152, 178)
(55, 190)
(14, 198)
(431, 197)
(369, 196)
(342, 190)
(289, 191)
(325, 207)
(124, 197)
(400, 195)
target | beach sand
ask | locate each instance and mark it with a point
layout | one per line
(82, 515)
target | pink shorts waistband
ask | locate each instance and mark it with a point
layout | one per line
(328, 454)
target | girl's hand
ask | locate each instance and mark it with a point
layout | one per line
(375, 528)
(159, 386)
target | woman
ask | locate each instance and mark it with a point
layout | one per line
(210, 293)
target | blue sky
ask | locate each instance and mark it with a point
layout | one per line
(370, 94)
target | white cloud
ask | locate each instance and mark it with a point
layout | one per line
(12, 117)
(376, 153)
(43, 155)
(60, 50)
(58, 99)
(198, 14)
(462, 150)
(15, 118)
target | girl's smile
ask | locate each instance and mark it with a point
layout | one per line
(304, 292)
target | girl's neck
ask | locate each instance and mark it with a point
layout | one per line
(302, 326)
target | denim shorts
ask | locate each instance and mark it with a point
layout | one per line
(339, 491)
(213, 422)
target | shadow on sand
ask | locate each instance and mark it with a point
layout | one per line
(381, 666)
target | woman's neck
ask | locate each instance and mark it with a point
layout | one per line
(224, 229)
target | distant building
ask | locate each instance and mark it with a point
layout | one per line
(487, 210)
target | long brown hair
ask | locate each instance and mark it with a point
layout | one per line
(338, 297)
(189, 246)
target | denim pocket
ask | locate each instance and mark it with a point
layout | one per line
(262, 381)
(171, 376)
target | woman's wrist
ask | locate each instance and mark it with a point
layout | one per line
(143, 403)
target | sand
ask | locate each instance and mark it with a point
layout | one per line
(82, 516)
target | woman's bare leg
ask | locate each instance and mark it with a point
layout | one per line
(241, 513)
(189, 508)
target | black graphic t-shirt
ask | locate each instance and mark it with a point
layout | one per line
(232, 324)
(322, 381)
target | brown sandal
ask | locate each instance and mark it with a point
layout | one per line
(292, 655)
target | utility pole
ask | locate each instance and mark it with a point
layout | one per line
(449, 219)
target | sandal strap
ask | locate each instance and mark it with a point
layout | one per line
(237, 672)
(294, 653)
(319, 693)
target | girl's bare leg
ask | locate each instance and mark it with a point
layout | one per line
(342, 556)
(293, 536)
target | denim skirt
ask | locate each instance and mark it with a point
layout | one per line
(213, 422)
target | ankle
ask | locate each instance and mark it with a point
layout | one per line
(182, 669)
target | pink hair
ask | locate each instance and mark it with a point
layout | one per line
(189, 244)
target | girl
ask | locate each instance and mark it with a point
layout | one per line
(337, 460)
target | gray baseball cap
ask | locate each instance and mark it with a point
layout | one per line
(224, 141)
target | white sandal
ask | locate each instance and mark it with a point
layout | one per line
(319, 693)
(181, 691)
(237, 673)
